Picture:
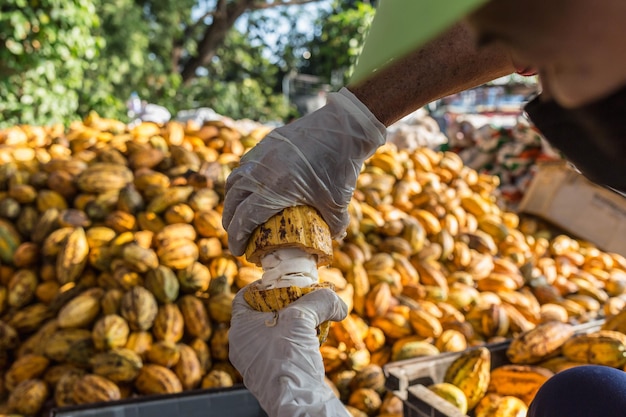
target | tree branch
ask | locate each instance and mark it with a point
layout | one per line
(264, 5)
(224, 16)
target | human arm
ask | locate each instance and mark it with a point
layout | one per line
(316, 159)
(447, 65)
(279, 357)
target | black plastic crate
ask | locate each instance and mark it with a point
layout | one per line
(234, 402)
(409, 378)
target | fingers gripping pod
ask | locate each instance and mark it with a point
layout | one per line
(289, 247)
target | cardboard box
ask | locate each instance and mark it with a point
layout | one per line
(232, 402)
(565, 198)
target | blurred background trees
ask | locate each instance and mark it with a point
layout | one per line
(63, 58)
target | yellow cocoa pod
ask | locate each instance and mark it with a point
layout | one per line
(173, 232)
(538, 343)
(366, 400)
(60, 343)
(139, 342)
(348, 333)
(217, 379)
(494, 321)
(139, 259)
(471, 372)
(103, 177)
(179, 213)
(603, 347)
(521, 381)
(163, 353)
(451, 340)
(393, 325)
(168, 324)
(28, 397)
(92, 388)
(452, 394)
(196, 317)
(163, 283)
(26, 255)
(178, 254)
(121, 221)
(616, 322)
(8, 336)
(332, 357)
(501, 406)
(47, 199)
(374, 339)
(219, 343)
(110, 331)
(378, 300)
(81, 310)
(111, 301)
(29, 366)
(188, 369)
(72, 257)
(10, 240)
(119, 365)
(139, 308)
(47, 291)
(194, 278)
(424, 323)
(30, 318)
(412, 347)
(99, 236)
(21, 288)
(157, 379)
(202, 352)
(168, 197)
(54, 373)
(219, 307)
(370, 376)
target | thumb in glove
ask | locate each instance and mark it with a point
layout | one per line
(278, 354)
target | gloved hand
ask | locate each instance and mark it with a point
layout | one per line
(312, 161)
(279, 357)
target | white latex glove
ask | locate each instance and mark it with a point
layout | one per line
(312, 161)
(279, 356)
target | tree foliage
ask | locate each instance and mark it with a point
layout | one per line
(47, 45)
(63, 58)
(334, 50)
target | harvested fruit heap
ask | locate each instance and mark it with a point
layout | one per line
(116, 280)
(470, 384)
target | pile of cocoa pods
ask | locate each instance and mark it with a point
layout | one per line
(116, 280)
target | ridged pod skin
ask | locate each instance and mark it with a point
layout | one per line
(603, 347)
(493, 405)
(538, 343)
(521, 381)
(217, 379)
(451, 393)
(168, 324)
(92, 388)
(119, 365)
(157, 379)
(110, 331)
(277, 298)
(28, 397)
(188, 369)
(29, 366)
(139, 308)
(471, 373)
(196, 317)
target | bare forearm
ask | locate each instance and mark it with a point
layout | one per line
(450, 64)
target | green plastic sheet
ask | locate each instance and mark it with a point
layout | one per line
(401, 26)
